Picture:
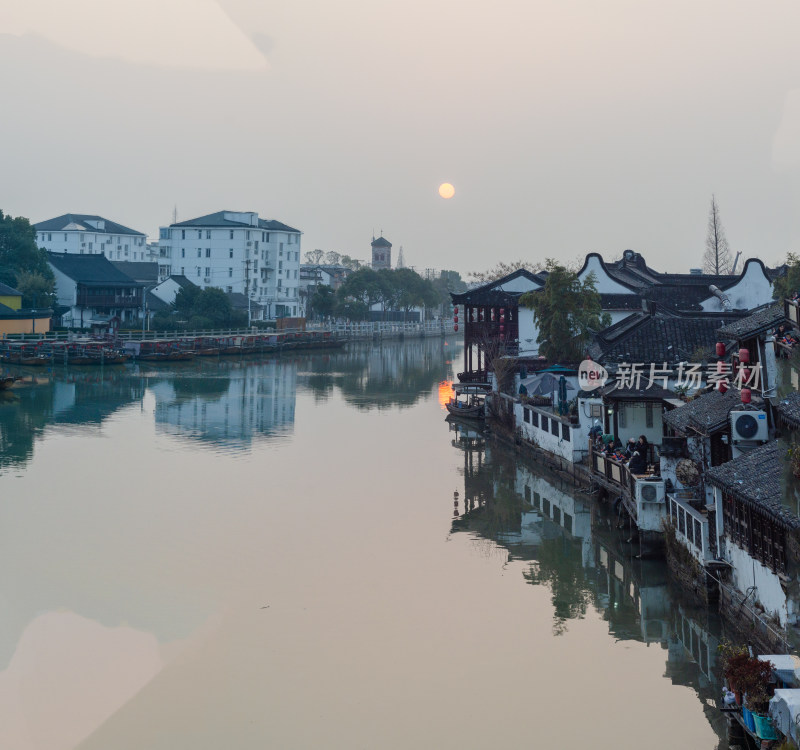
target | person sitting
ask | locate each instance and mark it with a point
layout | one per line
(630, 449)
(638, 463)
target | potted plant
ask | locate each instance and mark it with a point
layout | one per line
(734, 662)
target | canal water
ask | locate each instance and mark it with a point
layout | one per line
(270, 553)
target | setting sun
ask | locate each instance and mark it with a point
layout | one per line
(446, 190)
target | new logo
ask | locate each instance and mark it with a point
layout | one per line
(591, 375)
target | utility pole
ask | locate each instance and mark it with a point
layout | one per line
(247, 288)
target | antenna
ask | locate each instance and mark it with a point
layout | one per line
(401, 262)
(175, 214)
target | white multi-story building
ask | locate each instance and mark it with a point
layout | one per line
(85, 234)
(237, 252)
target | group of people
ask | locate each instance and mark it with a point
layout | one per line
(633, 454)
(785, 336)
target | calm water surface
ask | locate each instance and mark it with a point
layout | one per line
(267, 554)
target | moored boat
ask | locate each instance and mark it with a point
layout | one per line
(469, 400)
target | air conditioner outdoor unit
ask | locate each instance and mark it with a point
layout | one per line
(749, 425)
(207, 280)
(249, 242)
(650, 492)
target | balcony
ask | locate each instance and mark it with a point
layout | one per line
(109, 300)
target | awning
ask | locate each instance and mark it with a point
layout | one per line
(784, 708)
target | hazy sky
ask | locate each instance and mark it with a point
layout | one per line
(566, 126)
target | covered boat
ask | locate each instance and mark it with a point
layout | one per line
(469, 400)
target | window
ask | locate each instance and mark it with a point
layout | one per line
(198, 270)
(556, 514)
(280, 247)
(280, 283)
(266, 237)
(527, 494)
(208, 234)
(648, 415)
(208, 252)
(568, 522)
(546, 507)
(545, 423)
(230, 253)
(199, 252)
(526, 415)
(199, 234)
(230, 273)
(255, 244)
(247, 234)
(183, 252)
(535, 418)
(183, 234)
(65, 236)
(280, 265)
(537, 501)
(91, 245)
(228, 289)
(554, 427)
(183, 271)
(49, 237)
(565, 431)
(208, 271)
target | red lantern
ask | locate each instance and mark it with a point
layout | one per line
(455, 310)
(744, 375)
(502, 328)
(502, 310)
(746, 395)
(455, 320)
(455, 327)
(723, 386)
(720, 349)
(744, 356)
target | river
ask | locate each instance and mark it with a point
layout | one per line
(269, 553)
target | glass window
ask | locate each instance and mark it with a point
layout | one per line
(554, 427)
(556, 514)
(230, 253)
(208, 252)
(546, 507)
(565, 431)
(537, 500)
(535, 418)
(208, 234)
(545, 423)
(230, 273)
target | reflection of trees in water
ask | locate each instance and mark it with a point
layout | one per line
(70, 397)
(381, 375)
(559, 566)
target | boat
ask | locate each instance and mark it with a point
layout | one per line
(469, 400)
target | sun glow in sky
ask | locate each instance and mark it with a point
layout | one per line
(446, 190)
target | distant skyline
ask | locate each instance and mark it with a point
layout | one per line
(566, 127)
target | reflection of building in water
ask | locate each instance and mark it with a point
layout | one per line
(394, 373)
(59, 397)
(230, 407)
(571, 548)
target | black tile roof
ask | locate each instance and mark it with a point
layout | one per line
(142, 271)
(658, 336)
(182, 281)
(705, 414)
(82, 220)
(763, 319)
(217, 219)
(755, 479)
(8, 291)
(381, 242)
(788, 410)
(239, 301)
(647, 391)
(90, 270)
(490, 293)
(620, 302)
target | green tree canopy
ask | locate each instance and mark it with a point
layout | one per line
(19, 254)
(201, 308)
(323, 302)
(566, 312)
(787, 285)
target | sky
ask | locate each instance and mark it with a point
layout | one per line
(566, 126)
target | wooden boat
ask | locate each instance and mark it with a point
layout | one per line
(469, 400)
(174, 356)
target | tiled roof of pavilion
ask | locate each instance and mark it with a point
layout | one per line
(755, 479)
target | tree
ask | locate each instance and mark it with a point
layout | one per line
(785, 286)
(314, 256)
(717, 257)
(362, 285)
(37, 291)
(503, 269)
(566, 312)
(206, 308)
(323, 302)
(332, 257)
(350, 263)
(19, 254)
